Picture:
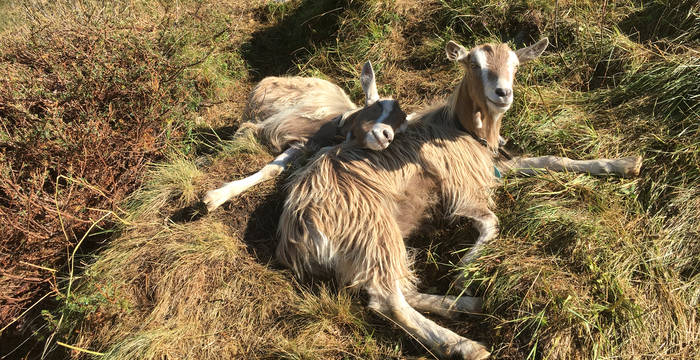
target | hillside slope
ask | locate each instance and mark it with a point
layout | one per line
(117, 116)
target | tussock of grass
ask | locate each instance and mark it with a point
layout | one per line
(194, 290)
(168, 183)
(185, 286)
(329, 323)
(572, 275)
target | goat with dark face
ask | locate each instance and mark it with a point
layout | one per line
(296, 114)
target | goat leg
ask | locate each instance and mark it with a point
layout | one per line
(624, 167)
(215, 198)
(446, 306)
(444, 342)
(486, 223)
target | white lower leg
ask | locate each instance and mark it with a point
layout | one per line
(444, 342)
(625, 167)
(215, 198)
(486, 223)
(445, 306)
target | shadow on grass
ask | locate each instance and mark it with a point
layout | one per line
(32, 336)
(659, 21)
(261, 228)
(274, 50)
(28, 342)
(189, 213)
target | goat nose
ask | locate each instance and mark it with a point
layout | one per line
(389, 135)
(503, 92)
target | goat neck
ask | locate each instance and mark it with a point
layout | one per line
(474, 115)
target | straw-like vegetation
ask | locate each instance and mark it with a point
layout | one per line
(116, 116)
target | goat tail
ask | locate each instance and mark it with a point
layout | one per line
(247, 131)
(249, 126)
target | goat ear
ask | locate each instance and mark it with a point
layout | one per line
(455, 52)
(369, 84)
(533, 51)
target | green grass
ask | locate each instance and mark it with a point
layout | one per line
(583, 267)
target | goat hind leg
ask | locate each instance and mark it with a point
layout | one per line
(625, 167)
(487, 224)
(444, 342)
(215, 198)
(446, 306)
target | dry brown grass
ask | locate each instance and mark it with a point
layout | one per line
(203, 289)
(91, 93)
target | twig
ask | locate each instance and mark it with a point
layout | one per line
(75, 250)
(38, 266)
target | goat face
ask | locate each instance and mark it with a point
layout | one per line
(374, 126)
(490, 70)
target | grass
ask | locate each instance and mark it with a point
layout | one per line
(94, 93)
(584, 267)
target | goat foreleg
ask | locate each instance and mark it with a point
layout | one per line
(624, 167)
(215, 198)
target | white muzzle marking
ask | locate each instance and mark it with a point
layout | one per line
(496, 103)
(381, 134)
(379, 137)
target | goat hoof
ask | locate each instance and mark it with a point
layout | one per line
(213, 199)
(470, 304)
(468, 350)
(631, 167)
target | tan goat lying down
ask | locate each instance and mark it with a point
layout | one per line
(297, 113)
(348, 210)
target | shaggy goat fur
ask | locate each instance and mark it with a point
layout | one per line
(348, 211)
(342, 209)
(291, 114)
(288, 110)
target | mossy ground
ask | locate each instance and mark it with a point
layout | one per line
(117, 116)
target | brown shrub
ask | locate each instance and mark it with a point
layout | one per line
(88, 96)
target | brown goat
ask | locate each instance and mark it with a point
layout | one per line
(348, 210)
(296, 114)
